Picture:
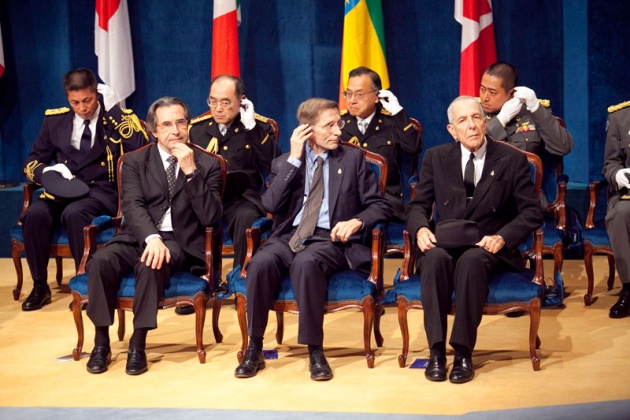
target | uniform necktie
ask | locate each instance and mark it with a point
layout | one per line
(223, 129)
(363, 126)
(469, 178)
(86, 138)
(170, 175)
(310, 215)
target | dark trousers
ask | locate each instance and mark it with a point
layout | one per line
(238, 215)
(618, 228)
(465, 272)
(309, 269)
(43, 217)
(106, 270)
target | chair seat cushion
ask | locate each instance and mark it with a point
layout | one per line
(181, 284)
(597, 235)
(394, 234)
(60, 236)
(503, 287)
(552, 235)
(343, 286)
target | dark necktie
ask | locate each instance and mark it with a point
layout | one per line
(310, 215)
(170, 175)
(86, 138)
(469, 178)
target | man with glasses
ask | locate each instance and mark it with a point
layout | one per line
(375, 121)
(323, 197)
(171, 194)
(77, 146)
(247, 141)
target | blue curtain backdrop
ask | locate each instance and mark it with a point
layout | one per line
(290, 51)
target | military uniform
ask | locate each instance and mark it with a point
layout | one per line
(249, 152)
(616, 157)
(533, 131)
(390, 136)
(117, 131)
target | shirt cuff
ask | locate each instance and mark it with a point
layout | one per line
(148, 238)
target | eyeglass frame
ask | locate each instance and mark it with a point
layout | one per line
(359, 95)
(180, 124)
(220, 103)
(340, 124)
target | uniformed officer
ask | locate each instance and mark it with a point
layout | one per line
(375, 121)
(617, 172)
(84, 143)
(247, 141)
(515, 114)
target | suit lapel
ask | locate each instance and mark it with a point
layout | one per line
(155, 167)
(335, 177)
(491, 168)
(64, 134)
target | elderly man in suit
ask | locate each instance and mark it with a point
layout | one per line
(319, 189)
(483, 197)
(171, 194)
(85, 143)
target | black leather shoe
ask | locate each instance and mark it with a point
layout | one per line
(320, 370)
(463, 370)
(185, 310)
(252, 362)
(621, 309)
(222, 288)
(40, 296)
(436, 369)
(136, 362)
(99, 360)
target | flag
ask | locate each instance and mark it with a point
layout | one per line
(226, 18)
(478, 47)
(1, 55)
(112, 45)
(363, 41)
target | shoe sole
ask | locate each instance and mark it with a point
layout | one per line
(136, 373)
(97, 371)
(242, 376)
(461, 381)
(619, 316)
(47, 301)
(435, 379)
(322, 378)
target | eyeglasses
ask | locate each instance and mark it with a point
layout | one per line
(168, 125)
(224, 103)
(331, 126)
(359, 95)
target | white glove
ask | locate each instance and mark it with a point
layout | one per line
(389, 101)
(61, 168)
(529, 96)
(509, 110)
(109, 96)
(247, 114)
(623, 178)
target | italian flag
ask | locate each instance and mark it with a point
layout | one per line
(226, 18)
(112, 45)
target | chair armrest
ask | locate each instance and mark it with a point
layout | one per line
(209, 257)
(593, 189)
(407, 267)
(560, 205)
(252, 235)
(413, 181)
(535, 254)
(378, 250)
(27, 193)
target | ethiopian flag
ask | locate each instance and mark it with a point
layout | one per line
(363, 41)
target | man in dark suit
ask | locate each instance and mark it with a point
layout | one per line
(171, 194)
(323, 190)
(475, 184)
(617, 172)
(247, 141)
(84, 143)
(376, 122)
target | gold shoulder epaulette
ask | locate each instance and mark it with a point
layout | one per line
(478, 98)
(545, 102)
(57, 111)
(385, 112)
(127, 110)
(200, 118)
(343, 112)
(617, 107)
(260, 118)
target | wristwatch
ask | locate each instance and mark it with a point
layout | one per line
(192, 174)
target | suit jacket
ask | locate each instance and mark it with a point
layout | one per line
(195, 205)
(353, 192)
(117, 131)
(247, 151)
(533, 131)
(504, 202)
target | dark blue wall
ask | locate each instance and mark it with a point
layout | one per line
(290, 50)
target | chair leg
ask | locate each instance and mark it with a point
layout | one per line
(588, 264)
(558, 258)
(216, 310)
(78, 322)
(378, 336)
(200, 320)
(368, 323)
(534, 323)
(59, 275)
(241, 304)
(404, 330)
(121, 324)
(280, 329)
(16, 251)
(611, 272)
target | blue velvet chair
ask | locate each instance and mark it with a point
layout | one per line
(595, 238)
(346, 289)
(183, 289)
